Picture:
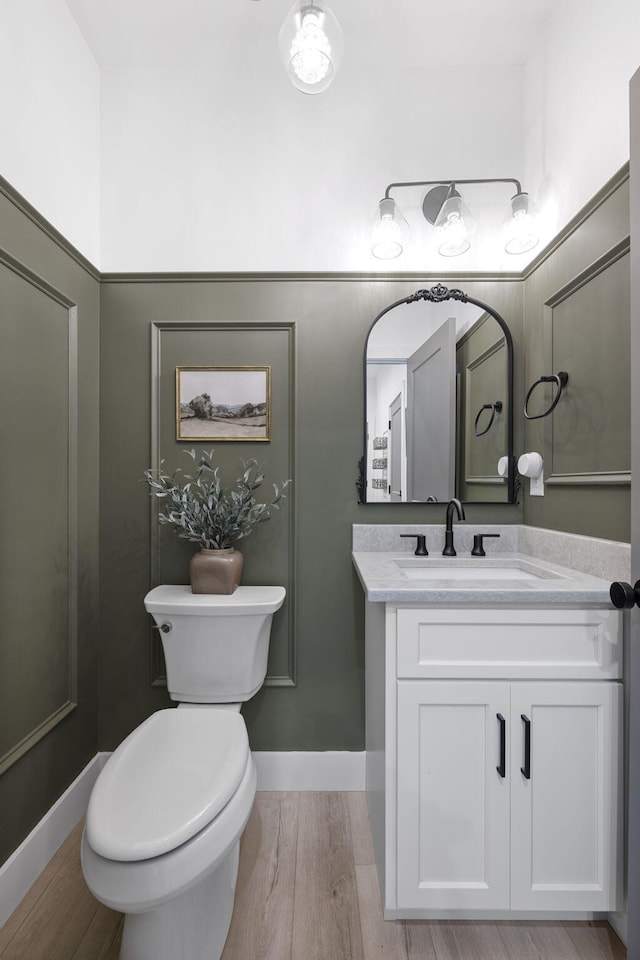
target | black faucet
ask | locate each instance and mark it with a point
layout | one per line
(449, 549)
(421, 543)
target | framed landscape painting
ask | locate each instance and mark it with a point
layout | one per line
(223, 403)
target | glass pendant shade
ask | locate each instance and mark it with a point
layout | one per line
(455, 226)
(521, 229)
(390, 231)
(311, 45)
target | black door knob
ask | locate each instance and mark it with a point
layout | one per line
(623, 595)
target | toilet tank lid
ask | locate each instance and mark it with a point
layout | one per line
(176, 599)
(167, 781)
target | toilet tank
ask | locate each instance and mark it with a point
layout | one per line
(215, 646)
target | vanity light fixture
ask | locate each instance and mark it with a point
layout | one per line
(311, 45)
(444, 208)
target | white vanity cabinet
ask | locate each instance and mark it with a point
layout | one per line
(494, 765)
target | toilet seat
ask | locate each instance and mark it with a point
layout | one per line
(166, 782)
(136, 887)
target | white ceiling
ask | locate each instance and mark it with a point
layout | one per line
(135, 32)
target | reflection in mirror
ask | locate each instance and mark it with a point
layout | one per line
(438, 380)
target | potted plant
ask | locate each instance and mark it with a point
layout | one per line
(202, 510)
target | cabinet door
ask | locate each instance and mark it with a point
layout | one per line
(564, 816)
(452, 802)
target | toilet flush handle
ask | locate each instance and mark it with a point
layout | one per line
(166, 627)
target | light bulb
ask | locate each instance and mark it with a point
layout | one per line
(452, 226)
(311, 45)
(455, 225)
(454, 236)
(520, 225)
(389, 231)
(311, 50)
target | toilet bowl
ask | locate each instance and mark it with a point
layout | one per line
(167, 812)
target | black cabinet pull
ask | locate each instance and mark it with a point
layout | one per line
(502, 769)
(526, 770)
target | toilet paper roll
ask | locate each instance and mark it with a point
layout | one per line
(530, 465)
(503, 466)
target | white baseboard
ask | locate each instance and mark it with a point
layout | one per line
(25, 865)
(330, 770)
(311, 770)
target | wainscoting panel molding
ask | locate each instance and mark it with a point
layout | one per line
(230, 344)
(38, 488)
(587, 335)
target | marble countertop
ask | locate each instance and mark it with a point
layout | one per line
(383, 578)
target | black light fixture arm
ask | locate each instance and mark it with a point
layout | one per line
(450, 183)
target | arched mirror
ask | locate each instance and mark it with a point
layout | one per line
(438, 372)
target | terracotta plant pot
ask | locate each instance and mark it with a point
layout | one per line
(215, 571)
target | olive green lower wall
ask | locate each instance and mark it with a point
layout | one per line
(577, 319)
(318, 328)
(320, 639)
(49, 315)
(319, 432)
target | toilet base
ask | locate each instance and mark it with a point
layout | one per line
(193, 926)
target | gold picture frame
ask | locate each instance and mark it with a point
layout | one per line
(223, 403)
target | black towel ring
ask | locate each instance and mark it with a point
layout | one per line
(495, 408)
(560, 379)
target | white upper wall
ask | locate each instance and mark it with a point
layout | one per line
(213, 161)
(49, 133)
(190, 150)
(199, 173)
(577, 101)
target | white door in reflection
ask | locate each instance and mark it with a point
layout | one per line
(431, 416)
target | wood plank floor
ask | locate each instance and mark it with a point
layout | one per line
(307, 890)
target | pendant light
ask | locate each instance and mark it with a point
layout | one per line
(311, 45)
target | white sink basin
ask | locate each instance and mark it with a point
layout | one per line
(464, 570)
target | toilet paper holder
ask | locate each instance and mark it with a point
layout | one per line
(531, 465)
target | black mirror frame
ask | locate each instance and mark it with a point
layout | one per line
(437, 294)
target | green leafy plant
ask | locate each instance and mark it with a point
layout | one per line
(204, 511)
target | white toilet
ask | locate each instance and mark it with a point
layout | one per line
(166, 814)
